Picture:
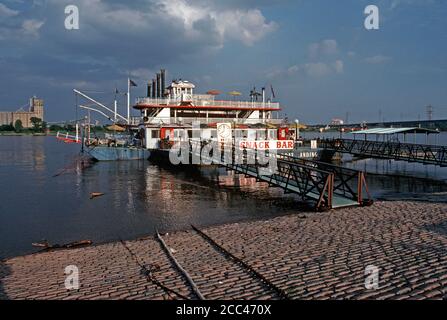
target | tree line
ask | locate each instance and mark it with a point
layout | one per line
(38, 126)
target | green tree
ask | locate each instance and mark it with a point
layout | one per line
(18, 126)
(55, 127)
(7, 127)
(37, 124)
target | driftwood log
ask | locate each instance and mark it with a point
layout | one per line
(45, 245)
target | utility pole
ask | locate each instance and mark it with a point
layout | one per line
(128, 100)
(429, 113)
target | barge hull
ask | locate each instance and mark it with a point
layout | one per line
(118, 154)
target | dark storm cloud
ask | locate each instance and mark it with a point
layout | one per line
(156, 31)
(115, 39)
(141, 32)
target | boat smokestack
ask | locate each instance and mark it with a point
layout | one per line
(153, 88)
(149, 87)
(163, 82)
(158, 85)
(263, 95)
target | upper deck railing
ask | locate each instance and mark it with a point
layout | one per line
(198, 101)
(191, 120)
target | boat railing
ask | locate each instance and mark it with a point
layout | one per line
(68, 138)
(191, 120)
(200, 102)
(134, 121)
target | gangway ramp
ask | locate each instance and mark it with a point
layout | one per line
(326, 185)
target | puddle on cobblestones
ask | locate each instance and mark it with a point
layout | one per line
(4, 272)
(440, 228)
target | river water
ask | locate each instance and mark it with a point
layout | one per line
(45, 194)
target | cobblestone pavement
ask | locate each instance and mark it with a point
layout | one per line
(308, 255)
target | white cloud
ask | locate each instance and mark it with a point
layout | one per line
(325, 47)
(339, 66)
(397, 3)
(31, 27)
(311, 69)
(378, 59)
(140, 74)
(317, 70)
(7, 12)
(247, 26)
(20, 29)
(190, 20)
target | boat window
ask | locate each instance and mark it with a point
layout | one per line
(155, 134)
(261, 135)
(178, 134)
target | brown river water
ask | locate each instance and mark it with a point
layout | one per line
(45, 194)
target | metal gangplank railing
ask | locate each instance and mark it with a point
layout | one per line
(425, 154)
(326, 185)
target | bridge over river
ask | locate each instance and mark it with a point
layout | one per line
(420, 153)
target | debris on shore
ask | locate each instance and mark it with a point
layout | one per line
(96, 195)
(72, 245)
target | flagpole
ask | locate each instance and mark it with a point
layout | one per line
(128, 100)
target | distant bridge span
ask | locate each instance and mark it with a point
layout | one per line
(440, 124)
(425, 154)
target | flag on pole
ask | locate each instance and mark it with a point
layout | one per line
(132, 84)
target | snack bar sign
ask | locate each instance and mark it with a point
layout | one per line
(267, 144)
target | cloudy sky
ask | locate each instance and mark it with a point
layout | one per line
(317, 54)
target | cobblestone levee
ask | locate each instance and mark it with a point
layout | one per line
(308, 255)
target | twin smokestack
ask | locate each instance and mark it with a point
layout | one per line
(157, 88)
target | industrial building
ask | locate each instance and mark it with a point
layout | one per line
(35, 110)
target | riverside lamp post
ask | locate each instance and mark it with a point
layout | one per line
(297, 133)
